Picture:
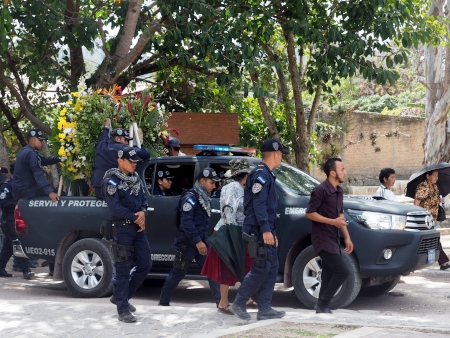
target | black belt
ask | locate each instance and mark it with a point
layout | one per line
(121, 223)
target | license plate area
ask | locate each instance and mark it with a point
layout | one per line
(431, 256)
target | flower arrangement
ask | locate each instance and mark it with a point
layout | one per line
(81, 120)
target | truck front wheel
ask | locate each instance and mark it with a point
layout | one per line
(307, 280)
(88, 269)
(379, 290)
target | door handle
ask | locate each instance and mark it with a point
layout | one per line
(150, 209)
(215, 211)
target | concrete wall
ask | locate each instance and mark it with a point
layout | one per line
(398, 146)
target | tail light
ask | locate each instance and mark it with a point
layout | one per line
(21, 226)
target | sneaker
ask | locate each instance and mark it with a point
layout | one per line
(112, 299)
(28, 275)
(269, 314)
(241, 312)
(163, 304)
(322, 309)
(3, 273)
(127, 317)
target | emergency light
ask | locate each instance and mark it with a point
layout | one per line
(227, 149)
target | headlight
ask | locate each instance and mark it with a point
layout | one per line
(377, 220)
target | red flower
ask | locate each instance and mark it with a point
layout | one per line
(119, 90)
(138, 96)
(164, 139)
(119, 107)
(176, 131)
(115, 117)
(130, 109)
(147, 100)
(153, 104)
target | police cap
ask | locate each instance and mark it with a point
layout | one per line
(36, 133)
(129, 153)
(121, 132)
(273, 144)
(209, 173)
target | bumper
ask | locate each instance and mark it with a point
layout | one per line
(18, 250)
(410, 251)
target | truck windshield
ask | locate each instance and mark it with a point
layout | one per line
(295, 180)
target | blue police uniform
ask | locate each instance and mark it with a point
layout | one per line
(194, 223)
(29, 178)
(7, 204)
(260, 203)
(157, 191)
(106, 157)
(123, 204)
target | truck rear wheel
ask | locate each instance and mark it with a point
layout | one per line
(379, 290)
(88, 269)
(307, 280)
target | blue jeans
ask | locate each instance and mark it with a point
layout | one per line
(126, 280)
(261, 278)
(176, 275)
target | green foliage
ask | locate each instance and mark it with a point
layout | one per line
(375, 103)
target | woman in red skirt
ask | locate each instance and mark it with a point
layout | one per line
(231, 204)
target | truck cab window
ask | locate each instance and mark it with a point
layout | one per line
(182, 179)
(148, 177)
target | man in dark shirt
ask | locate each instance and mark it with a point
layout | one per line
(326, 211)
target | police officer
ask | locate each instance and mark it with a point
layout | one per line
(191, 240)
(260, 205)
(173, 147)
(164, 183)
(29, 178)
(7, 204)
(106, 153)
(124, 193)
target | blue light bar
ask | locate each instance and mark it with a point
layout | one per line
(213, 147)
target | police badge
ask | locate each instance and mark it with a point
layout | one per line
(187, 207)
(256, 188)
(275, 146)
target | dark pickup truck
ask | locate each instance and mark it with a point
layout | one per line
(391, 239)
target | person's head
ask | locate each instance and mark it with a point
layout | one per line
(121, 135)
(387, 177)
(127, 159)
(432, 176)
(239, 170)
(164, 179)
(173, 146)
(208, 179)
(272, 152)
(36, 138)
(334, 169)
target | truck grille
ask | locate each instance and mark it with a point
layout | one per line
(428, 244)
(419, 220)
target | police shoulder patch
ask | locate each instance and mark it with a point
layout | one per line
(261, 180)
(257, 187)
(187, 207)
(111, 189)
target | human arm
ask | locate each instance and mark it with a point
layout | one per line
(104, 135)
(142, 214)
(142, 153)
(35, 166)
(187, 207)
(347, 240)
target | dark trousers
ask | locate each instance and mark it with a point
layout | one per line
(126, 280)
(334, 274)
(176, 275)
(7, 249)
(261, 278)
(443, 258)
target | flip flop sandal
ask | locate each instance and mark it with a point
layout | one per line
(252, 304)
(225, 310)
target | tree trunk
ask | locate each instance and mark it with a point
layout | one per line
(437, 78)
(4, 158)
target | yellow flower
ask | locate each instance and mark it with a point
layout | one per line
(63, 112)
(61, 151)
(75, 94)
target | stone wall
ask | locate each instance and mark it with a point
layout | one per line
(397, 143)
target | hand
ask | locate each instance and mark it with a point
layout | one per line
(268, 238)
(202, 249)
(108, 123)
(348, 246)
(54, 197)
(339, 222)
(140, 220)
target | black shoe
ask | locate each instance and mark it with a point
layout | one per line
(113, 300)
(445, 267)
(269, 314)
(28, 275)
(127, 317)
(241, 312)
(322, 309)
(3, 273)
(163, 304)
(50, 273)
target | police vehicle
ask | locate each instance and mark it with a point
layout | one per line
(391, 239)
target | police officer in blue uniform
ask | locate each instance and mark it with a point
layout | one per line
(106, 153)
(29, 178)
(7, 204)
(191, 240)
(124, 193)
(260, 205)
(164, 183)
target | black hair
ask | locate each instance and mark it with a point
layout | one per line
(330, 165)
(385, 173)
(239, 176)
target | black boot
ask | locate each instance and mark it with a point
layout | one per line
(3, 273)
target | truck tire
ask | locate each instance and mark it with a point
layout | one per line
(306, 279)
(379, 290)
(88, 269)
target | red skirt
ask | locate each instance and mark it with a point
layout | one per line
(217, 270)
